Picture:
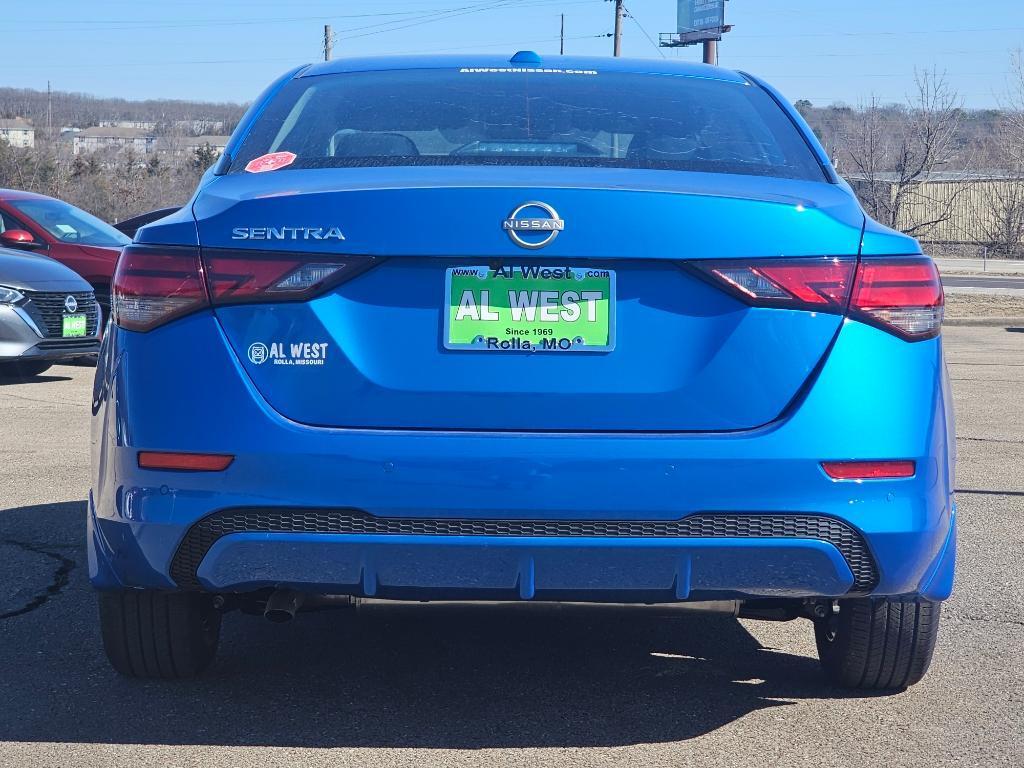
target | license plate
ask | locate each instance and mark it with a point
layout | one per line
(527, 308)
(73, 325)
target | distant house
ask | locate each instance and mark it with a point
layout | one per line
(145, 125)
(18, 132)
(181, 146)
(89, 140)
(199, 126)
(216, 143)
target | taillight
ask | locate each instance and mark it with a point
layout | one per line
(236, 277)
(155, 284)
(821, 284)
(899, 294)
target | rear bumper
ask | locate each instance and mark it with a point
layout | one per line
(508, 567)
(139, 520)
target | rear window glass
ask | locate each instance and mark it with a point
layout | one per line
(515, 117)
(69, 224)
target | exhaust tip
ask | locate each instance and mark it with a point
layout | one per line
(278, 616)
(282, 605)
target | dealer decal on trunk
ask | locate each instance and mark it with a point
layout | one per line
(288, 353)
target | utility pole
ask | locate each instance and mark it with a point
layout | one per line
(49, 111)
(561, 47)
(619, 13)
(328, 42)
(711, 52)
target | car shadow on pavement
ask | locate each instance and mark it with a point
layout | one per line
(434, 676)
(42, 378)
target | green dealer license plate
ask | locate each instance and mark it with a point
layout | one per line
(73, 325)
(529, 308)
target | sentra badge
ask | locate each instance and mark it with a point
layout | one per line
(287, 233)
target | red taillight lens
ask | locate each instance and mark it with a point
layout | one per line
(185, 462)
(821, 284)
(899, 294)
(154, 285)
(247, 276)
(868, 470)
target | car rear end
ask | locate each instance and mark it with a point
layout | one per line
(437, 332)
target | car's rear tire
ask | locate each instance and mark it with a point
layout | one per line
(878, 643)
(168, 635)
(24, 370)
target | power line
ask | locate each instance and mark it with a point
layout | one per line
(294, 60)
(130, 25)
(650, 39)
(886, 33)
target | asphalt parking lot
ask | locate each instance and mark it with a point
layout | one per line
(431, 686)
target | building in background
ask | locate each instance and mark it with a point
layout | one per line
(189, 146)
(145, 125)
(199, 127)
(140, 140)
(216, 143)
(18, 132)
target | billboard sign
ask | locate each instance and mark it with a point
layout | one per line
(698, 15)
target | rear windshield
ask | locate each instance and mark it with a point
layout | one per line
(529, 117)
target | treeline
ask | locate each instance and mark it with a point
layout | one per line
(79, 110)
(111, 185)
(971, 140)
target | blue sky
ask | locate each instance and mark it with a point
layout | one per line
(822, 50)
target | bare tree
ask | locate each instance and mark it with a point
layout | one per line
(893, 151)
(1003, 227)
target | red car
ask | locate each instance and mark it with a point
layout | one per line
(63, 232)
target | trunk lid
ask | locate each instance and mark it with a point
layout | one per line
(371, 352)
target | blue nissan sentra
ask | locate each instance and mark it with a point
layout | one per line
(528, 329)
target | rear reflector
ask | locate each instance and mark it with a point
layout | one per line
(156, 284)
(868, 470)
(188, 462)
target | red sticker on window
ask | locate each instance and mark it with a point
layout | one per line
(270, 162)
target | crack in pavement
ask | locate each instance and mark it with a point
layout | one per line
(985, 492)
(993, 365)
(990, 440)
(1014, 622)
(60, 577)
(44, 401)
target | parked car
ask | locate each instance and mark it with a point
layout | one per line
(470, 328)
(128, 227)
(63, 232)
(47, 314)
